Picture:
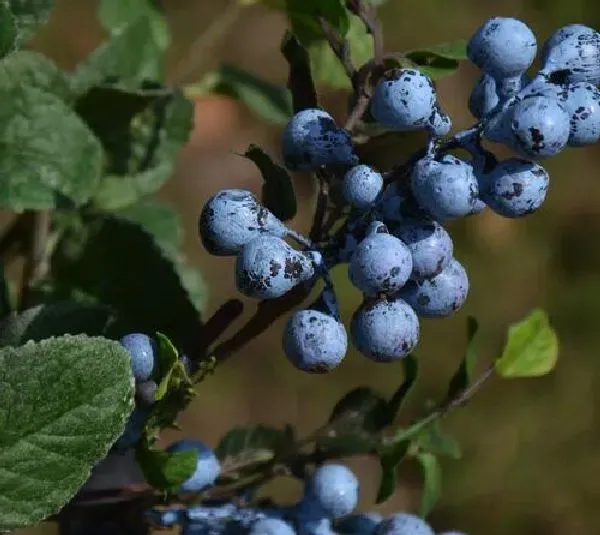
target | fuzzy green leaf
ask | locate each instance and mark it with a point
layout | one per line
(63, 402)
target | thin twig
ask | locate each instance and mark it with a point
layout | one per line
(340, 47)
(316, 230)
(362, 103)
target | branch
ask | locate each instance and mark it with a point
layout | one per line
(316, 231)
(340, 47)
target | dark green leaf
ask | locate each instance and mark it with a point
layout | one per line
(411, 371)
(390, 458)
(30, 15)
(433, 439)
(531, 348)
(63, 402)
(168, 360)
(278, 190)
(43, 166)
(253, 444)
(45, 321)
(163, 470)
(440, 60)
(465, 373)
(268, 101)
(6, 305)
(304, 17)
(300, 80)
(432, 482)
(142, 284)
(8, 29)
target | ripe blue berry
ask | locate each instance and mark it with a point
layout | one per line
(404, 99)
(142, 350)
(564, 32)
(314, 341)
(362, 185)
(442, 295)
(447, 188)
(271, 526)
(145, 392)
(267, 268)
(315, 526)
(312, 139)
(515, 187)
(429, 244)
(404, 524)
(540, 126)
(583, 106)
(359, 524)
(380, 263)
(575, 58)
(483, 98)
(233, 217)
(332, 490)
(502, 47)
(385, 330)
(207, 465)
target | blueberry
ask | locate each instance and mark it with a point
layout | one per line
(233, 217)
(362, 185)
(404, 99)
(502, 47)
(396, 204)
(145, 392)
(311, 140)
(267, 268)
(271, 526)
(142, 351)
(380, 263)
(583, 106)
(515, 187)
(404, 524)
(207, 465)
(564, 32)
(430, 246)
(540, 126)
(332, 490)
(359, 524)
(442, 295)
(314, 341)
(483, 98)
(385, 330)
(575, 58)
(133, 429)
(447, 188)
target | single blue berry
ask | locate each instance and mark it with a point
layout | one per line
(564, 32)
(142, 351)
(575, 58)
(359, 524)
(311, 140)
(446, 188)
(483, 98)
(385, 330)
(207, 465)
(362, 185)
(583, 106)
(404, 524)
(145, 392)
(440, 296)
(233, 217)
(404, 99)
(267, 268)
(314, 341)
(429, 244)
(271, 526)
(515, 187)
(332, 490)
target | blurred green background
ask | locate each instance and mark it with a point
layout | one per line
(531, 448)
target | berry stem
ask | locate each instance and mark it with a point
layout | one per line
(340, 47)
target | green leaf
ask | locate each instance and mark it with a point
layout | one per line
(278, 190)
(30, 15)
(29, 68)
(8, 29)
(411, 372)
(440, 60)
(43, 166)
(531, 348)
(327, 68)
(144, 150)
(389, 459)
(163, 470)
(433, 439)
(168, 361)
(432, 482)
(253, 444)
(268, 101)
(47, 320)
(304, 15)
(130, 55)
(6, 306)
(143, 284)
(354, 422)
(465, 374)
(63, 402)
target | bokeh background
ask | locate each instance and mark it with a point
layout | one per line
(531, 448)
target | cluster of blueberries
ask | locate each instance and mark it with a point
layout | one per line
(326, 508)
(399, 254)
